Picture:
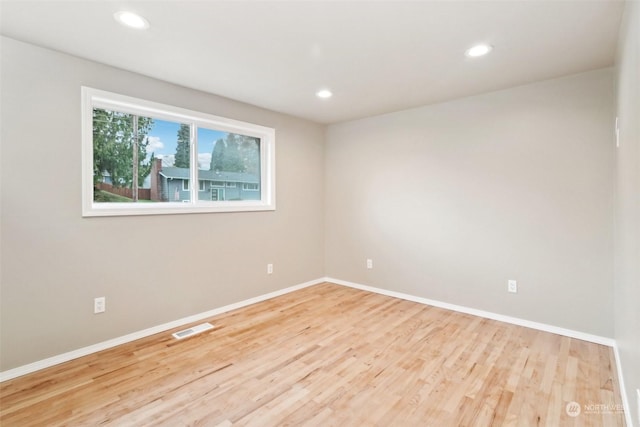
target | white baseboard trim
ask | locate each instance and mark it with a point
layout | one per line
(623, 391)
(610, 342)
(65, 357)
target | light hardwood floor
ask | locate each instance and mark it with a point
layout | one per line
(328, 355)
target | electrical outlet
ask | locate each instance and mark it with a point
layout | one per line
(369, 264)
(512, 286)
(269, 268)
(99, 305)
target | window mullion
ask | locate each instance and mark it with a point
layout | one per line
(193, 162)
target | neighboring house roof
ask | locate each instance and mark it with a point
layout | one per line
(209, 175)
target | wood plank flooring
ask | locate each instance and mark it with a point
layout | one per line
(328, 355)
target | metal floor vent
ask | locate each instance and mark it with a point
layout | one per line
(192, 331)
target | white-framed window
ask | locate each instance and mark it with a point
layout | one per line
(185, 185)
(151, 152)
(250, 187)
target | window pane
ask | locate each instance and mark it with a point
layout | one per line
(227, 164)
(153, 156)
(171, 150)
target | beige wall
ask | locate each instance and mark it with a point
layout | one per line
(627, 213)
(152, 269)
(449, 200)
(452, 200)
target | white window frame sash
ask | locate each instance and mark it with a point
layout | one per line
(193, 163)
(94, 98)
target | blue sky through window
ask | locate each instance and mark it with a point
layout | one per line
(163, 140)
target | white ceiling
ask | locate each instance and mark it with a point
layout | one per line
(376, 57)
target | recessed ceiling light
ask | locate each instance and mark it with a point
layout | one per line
(324, 93)
(479, 50)
(131, 20)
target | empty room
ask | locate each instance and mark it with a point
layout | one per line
(320, 213)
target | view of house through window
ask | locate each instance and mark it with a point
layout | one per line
(140, 159)
(227, 160)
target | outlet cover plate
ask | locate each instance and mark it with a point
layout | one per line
(512, 286)
(99, 305)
